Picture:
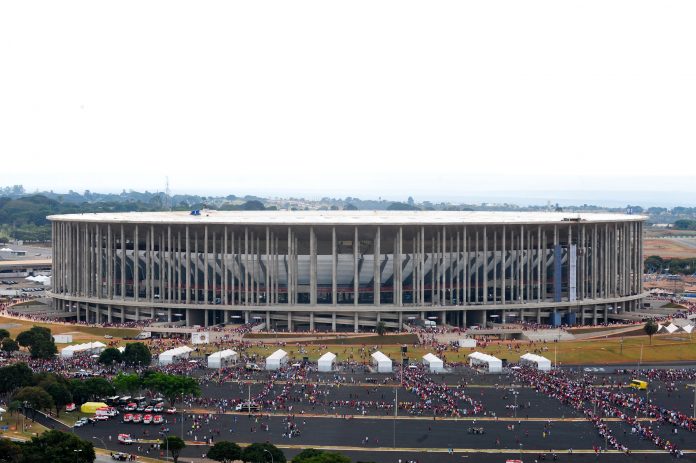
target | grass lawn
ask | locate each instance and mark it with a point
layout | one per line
(664, 348)
(70, 418)
(80, 333)
(15, 427)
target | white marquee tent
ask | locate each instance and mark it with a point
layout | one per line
(541, 363)
(88, 348)
(222, 358)
(174, 355)
(467, 342)
(382, 362)
(327, 362)
(435, 364)
(493, 364)
(276, 360)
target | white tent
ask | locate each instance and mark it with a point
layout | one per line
(62, 338)
(467, 342)
(435, 364)
(174, 355)
(671, 328)
(276, 360)
(327, 362)
(688, 328)
(382, 362)
(541, 363)
(222, 358)
(122, 349)
(493, 364)
(88, 348)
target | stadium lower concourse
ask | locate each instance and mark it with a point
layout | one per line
(347, 270)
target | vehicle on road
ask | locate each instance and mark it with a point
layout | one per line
(70, 408)
(475, 430)
(81, 422)
(125, 439)
(137, 418)
(171, 410)
(638, 385)
(120, 456)
(157, 419)
(101, 417)
(147, 419)
(247, 407)
(128, 417)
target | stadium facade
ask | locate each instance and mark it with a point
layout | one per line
(345, 271)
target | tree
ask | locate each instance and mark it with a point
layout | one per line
(35, 397)
(9, 345)
(172, 386)
(79, 390)
(259, 452)
(39, 341)
(129, 383)
(15, 376)
(43, 349)
(319, 456)
(109, 356)
(10, 452)
(349, 207)
(60, 394)
(99, 387)
(174, 444)
(137, 353)
(4, 333)
(58, 447)
(225, 452)
(381, 328)
(650, 328)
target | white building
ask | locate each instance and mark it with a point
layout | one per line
(382, 362)
(327, 362)
(490, 363)
(276, 360)
(434, 363)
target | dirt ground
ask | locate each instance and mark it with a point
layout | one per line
(682, 248)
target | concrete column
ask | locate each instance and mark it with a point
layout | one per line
(311, 321)
(464, 320)
(606, 314)
(289, 321)
(377, 267)
(169, 315)
(137, 313)
(594, 315)
(206, 264)
(485, 265)
(334, 279)
(247, 318)
(538, 316)
(108, 314)
(401, 320)
(268, 320)
(484, 314)
(312, 267)
(355, 324)
(356, 274)
(333, 322)
(443, 317)
(188, 273)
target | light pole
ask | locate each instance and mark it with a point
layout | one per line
(102, 441)
(266, 450)
(77, 452)
(514, 394)
(694, 406)
(166, 440)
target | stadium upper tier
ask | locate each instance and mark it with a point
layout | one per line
(345, 217)
(327, 269)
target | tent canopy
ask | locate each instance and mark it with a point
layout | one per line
(171, 355)
(220, 358)
(384, 363)
(94, 347)
(433, 362)
(542, 363)
(326, 362)
(276, 359)
(494, 364)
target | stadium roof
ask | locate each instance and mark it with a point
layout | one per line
(345, 217)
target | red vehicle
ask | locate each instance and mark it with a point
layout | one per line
(125, 439)
(130, 407)
(171, 410)
(157, 419)
(147, 419)
(128, 417)
(137, 418)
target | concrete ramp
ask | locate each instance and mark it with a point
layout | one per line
(548, 335)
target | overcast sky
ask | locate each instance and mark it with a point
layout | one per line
(439, 100)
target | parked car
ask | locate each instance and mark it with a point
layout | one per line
(137, 418)
(157, 419)
(171, 410)
(70, 408)
(81, 422)
(147, 419)
(158, 408)
(125, 439)
(247, 407)
(128, 417)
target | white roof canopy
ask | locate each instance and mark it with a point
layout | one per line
(434, 363)
(495, 365)
(542, 363)
(277, 355)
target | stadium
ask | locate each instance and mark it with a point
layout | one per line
(347, 270)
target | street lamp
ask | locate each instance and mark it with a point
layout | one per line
(266, 450)
(77, 452)
(102, 441)
(166, 440)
